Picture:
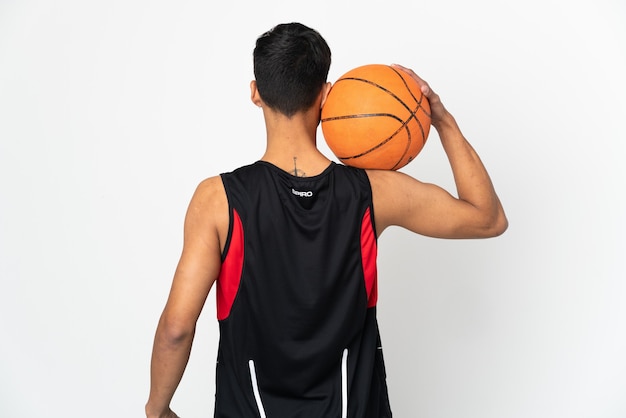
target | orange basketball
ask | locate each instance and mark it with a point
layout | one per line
(376, 116)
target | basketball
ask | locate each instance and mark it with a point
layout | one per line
(376, 117)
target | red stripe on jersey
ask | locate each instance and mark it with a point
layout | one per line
(230, 272)
(368, 257)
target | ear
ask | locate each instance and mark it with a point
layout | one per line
(325, 90)
(254, 94)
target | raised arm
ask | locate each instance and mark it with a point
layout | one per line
(428, 209)
(206, 225)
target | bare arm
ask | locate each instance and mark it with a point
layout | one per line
(428, 209)
(206, 224)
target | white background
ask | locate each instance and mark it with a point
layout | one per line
(112, 111)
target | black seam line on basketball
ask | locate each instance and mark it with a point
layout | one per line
(409, 138)
(419, 123)
(406, 148)
(380, 144)
(362, 115)
(418, 101)
(392, 94)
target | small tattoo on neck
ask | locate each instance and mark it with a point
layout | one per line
(295, 171)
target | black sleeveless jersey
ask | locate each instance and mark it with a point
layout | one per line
(296, 297)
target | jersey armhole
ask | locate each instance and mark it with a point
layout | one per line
(370, 204)
(229, 235)
(369, 254)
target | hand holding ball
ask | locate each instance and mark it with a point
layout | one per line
(376, 117)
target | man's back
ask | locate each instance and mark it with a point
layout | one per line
(297, 297)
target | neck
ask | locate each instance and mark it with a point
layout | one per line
(292, 143)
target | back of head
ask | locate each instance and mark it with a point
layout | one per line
(291, 63)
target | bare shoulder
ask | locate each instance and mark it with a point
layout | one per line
(391, 192)
(211, 188)
(209, 196)
(208, 209)
(382, 180)
(389, 186)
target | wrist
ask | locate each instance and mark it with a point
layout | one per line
(153, 412)
(444, 122)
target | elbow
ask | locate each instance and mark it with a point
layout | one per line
(496, 225)
(174, 332)
(500, 226)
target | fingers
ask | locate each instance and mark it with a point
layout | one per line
(437, 110)
(423, 84)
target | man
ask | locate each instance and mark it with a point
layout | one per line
(291, 242)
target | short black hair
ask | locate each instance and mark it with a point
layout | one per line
(291, 63)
